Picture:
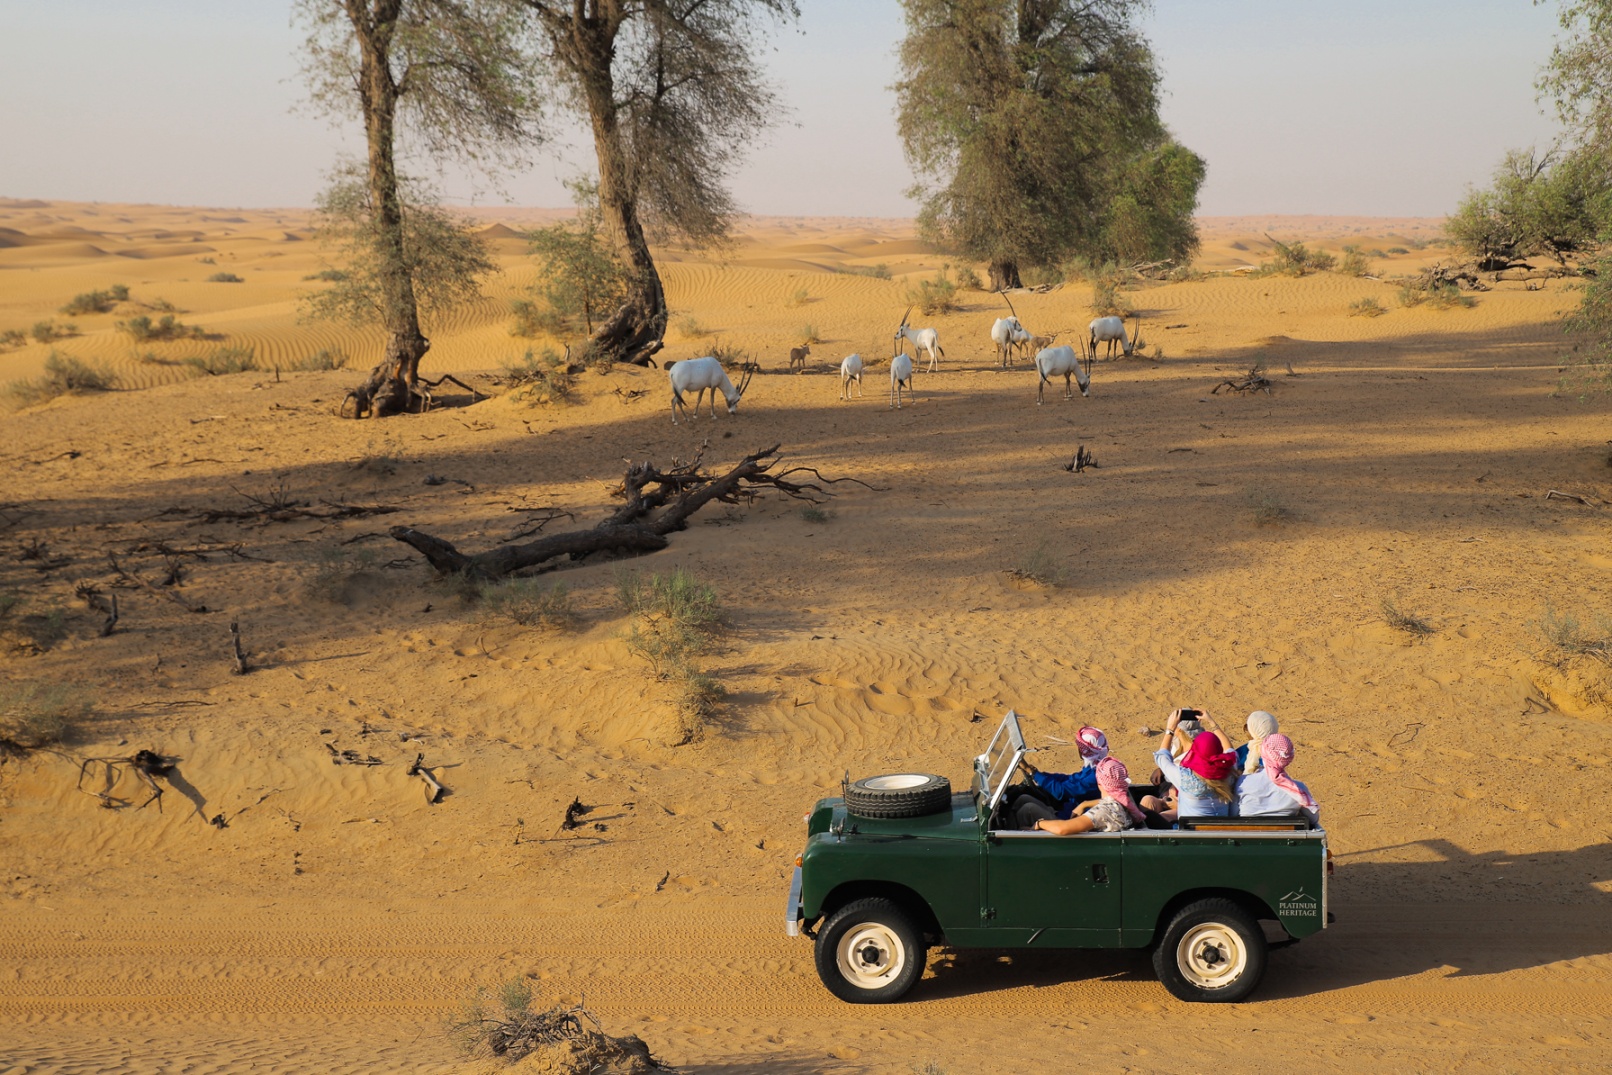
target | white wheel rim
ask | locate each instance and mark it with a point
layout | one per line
(899, 782)
(871, 955)
(1212, 955)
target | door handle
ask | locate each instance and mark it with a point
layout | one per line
(1099, 873)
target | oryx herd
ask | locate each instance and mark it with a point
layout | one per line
(1008, 335)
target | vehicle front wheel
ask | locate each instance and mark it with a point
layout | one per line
(870, 952)
(1213, 950)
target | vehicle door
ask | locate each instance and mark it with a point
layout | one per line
(1065, 888)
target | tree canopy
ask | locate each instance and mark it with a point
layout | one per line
(1034, 127)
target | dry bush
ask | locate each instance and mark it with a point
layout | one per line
(336, 571)
(801, 297)
(1268, 508)
(13, 338)
(1438, 296)
(808, 334)
(880, 271)
(813, 514)
(968, 279)
(96, 302)
(50, 331)
(167, 327)
(1401, 620)
(528, 602)
(1353, 262)
(223, 360)
(562, 1040)
(691, 328)
(538, 378)
(1106, 300)
(677, 619)
(534, 320)
(1367, 307)
(1567, 636)
(936, 296)
(64, 375)
(34, 715)
(322, 359)
(1295, 259)
(224, 278)
(1042, 565)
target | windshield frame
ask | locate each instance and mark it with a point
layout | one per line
(994, 768)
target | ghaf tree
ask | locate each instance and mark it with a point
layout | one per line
(1035, 126)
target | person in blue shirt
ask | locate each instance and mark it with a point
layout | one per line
(1067, 790)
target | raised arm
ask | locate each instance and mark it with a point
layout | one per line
(1209, 724)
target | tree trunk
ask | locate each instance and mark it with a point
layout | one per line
(1004, 275)
(636, 330)
(389, 389)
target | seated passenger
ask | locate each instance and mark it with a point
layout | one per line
(1204, 778)
(1271, 792)
(1260, 724)
(1114, 812)
(1066, 790)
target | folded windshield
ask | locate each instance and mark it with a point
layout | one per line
(994, 768)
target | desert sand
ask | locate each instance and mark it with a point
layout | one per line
(1230, 551)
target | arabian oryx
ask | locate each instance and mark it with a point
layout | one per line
(1111, 330)
(1051, 362)
(850, 370)
(1008, 335)
(900, 374)
(923, 339)
(700, 375)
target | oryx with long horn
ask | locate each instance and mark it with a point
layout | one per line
(923, 339)
(1009, 333)
(1111, 330)
(700, 375)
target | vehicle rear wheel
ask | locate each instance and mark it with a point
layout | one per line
(870, 952)
(898, 795)
(1212, 951)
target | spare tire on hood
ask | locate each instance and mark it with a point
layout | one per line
(897, 795)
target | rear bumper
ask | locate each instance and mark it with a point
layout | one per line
(792, 910)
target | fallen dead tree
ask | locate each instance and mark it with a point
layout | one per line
(655, 503)
(1252, 381)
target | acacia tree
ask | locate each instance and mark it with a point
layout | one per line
(1029, 118)
(452, 73)
(673, 95)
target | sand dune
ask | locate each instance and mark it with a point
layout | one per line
(1233, 551)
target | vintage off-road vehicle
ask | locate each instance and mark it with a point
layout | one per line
(899, 863)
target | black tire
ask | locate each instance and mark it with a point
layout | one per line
(898, 795)
(870, 952)
(1213, 951)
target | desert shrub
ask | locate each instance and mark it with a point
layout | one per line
(808, 334)
(224, 278)
(1353, 262)
(801, 297)
(64, 375)
(333, 276)
(30, 631)
(167, 327)
(50, 331)
(528, 602)
(1438, 296)
(1041, 275)
(335, 570)
(676, 619)
(678, 596)
(691, 328)
(880, 271)
(322, 359)
(534, 320)
(222, 360)
(1186, 274)
(968, 279)
(1268, 508)
(1568, 636)
(1106, 300)
(935, 296)
(1295, 259)
(502, 1023)
(1042, 565)
(1403, 620)
(12, 337)
(151, 358)
(538, 378)
(96, 302)
(1398, 250)
(34, 715)
(813, 514)
(1366, 307)
(731, 356)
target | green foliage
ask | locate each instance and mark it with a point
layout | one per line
(222, 360)
(96, 302)
(1295, 259)
(676, 618)
(1555, 205)
(813, 514)
(1434, 295)
(678, 596)
(64, 375)
(880, 271)
(528, 602)
(532, 320)
(935, 296)
(225, 278)
(34, 715)
(167, 327)
(1106, 300)
(1040, 125)
(808, 334)
(539, 378)
(968, 279)
(1042, 565)
(50, 331)
(1353, 262)
(579, 277)
(440, 256)
(1398, 250)
(1366, 307)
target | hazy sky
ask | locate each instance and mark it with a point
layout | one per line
(1376, 107)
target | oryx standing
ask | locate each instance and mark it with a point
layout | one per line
(700, 375)
(923, 339)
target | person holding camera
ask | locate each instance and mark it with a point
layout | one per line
(1204, 777)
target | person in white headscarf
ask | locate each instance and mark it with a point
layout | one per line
(1260, 725)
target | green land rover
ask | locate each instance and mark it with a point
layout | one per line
(899, 863)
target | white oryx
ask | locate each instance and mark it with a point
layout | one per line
(1055, 361)
(900, 374)
(1111, 330)
(1008, 334)
(923, 339)
(700, 375)
(850, 370)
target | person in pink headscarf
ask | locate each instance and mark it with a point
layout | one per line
(1270, 792)
(1113, 812)
(1063, 791)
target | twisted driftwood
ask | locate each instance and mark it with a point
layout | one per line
(655, 504)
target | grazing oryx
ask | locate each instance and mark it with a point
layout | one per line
(700, 375)
(900, 374)
(923, 339)
(797, 356)
(1008, 334)
(1053, 361)
(1111, 330)
(850, 370)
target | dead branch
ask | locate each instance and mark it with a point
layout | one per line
(1252, 381)
(1082, 459)
(350, 757)
(241, 667)
(655, 503)
(1556, 495)
(111, 618)
(433, 786)
(147, 766)
(133, 579)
